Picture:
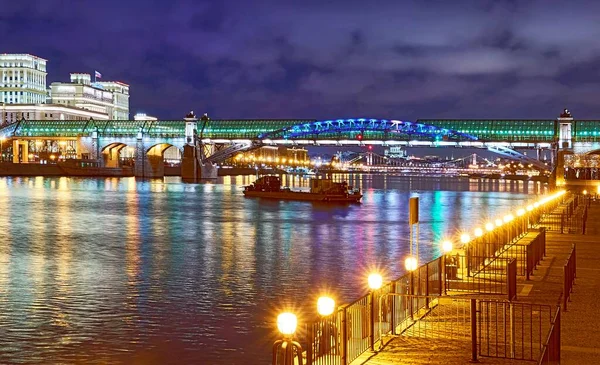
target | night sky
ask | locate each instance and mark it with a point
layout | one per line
(324, 59)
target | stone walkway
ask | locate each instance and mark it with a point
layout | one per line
(580, 324)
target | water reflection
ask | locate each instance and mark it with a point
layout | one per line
(119, 270)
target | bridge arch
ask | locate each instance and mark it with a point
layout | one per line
(117, 154)
(152, 163)
(367, 129)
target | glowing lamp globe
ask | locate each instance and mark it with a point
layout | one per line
(325, 306)
(536, 204)
(375, 281)
(286, 323)
(520, 212)
(498, 222)
(478, 232)
(530, 208)
(489, 226)
(447, 246)
(465, 238)
(410, 263)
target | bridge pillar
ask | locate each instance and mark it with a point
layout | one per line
(565, 146)
(140, 154)
(149, 164)
(565, 136)
(191, 167)
(95, 146)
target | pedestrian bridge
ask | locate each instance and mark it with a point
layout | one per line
(220, 139)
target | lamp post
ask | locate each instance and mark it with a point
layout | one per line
(375, 281)
(290, 349)
(327, 329)
(447, 247)
(410, 264)
(464, 239)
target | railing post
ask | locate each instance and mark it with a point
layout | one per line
(426, 285)
(511, 311)
(443, 274)
(344, 336)
(474, 330)
(310, 343)
(562, 222)
(574, 260)
(557, 329)
(393, 308)
(372, 320)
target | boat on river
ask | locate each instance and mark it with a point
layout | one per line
(75, 167)
(321, 190)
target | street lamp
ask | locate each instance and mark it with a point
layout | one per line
(325, 306)
(290, 349)
(410, 263)
(465, 238)
(326, 331)
(375, 281)
(286, 323)
(447, 247)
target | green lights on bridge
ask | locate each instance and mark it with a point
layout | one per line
(484, 130)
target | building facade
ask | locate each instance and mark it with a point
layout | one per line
(120, 93)
(80, 93)
(109, 97)
(10, 113)
(22, 79)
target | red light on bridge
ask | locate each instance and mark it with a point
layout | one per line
(359, 137)
(370, 148)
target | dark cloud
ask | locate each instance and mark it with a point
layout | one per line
(313, 59)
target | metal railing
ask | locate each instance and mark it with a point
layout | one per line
(570, 216)
(412, 304)
(551, 349)
(570, 273)
(491, 276)
(512, 330)
(536, 250)
(325, 340)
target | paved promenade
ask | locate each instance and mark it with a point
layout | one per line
(580, 334)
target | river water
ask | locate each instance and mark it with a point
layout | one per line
(119, 271)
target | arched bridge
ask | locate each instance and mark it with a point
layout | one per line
(220, 139)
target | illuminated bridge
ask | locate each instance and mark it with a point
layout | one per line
(217, 140)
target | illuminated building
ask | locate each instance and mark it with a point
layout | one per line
(120, 93)
(10, 113)
(22, 79)
(110, 97)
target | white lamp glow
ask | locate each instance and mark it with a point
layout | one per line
(325, 306)
(375, 281)
(286, 323)
(410, 263)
